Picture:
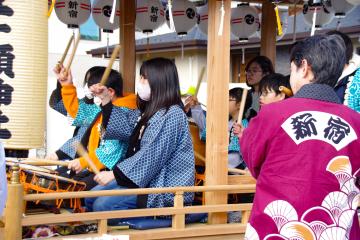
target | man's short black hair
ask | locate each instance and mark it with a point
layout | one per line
(325, 54)
(348, 44)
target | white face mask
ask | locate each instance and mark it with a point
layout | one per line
(144, 91)
(88, 93)
(97, 101)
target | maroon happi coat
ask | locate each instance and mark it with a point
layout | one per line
(305, 154)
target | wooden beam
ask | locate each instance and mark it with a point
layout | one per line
(218, 67)
(127, 41)
(268, 31)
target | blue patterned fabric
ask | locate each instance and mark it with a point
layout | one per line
(234, 145)
(352, 94)
(59, 107)
(57, 104)
(109, 152)
(68, 146)
(234, 140)
(86, 114)
(165, 158)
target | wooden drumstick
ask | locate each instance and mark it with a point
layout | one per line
(242, 105)
(44, 162)
(67, 68)
(60, 63)
(106, 74)
(82, 152)
(199, 81)
(286, 91)
(235, 170)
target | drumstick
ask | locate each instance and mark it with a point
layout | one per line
(235, 170)
(286, 91)
(114, 54)
(67, 68)
(58, 65)
(44, 162)
(242, 104)
(82, 151)
(199, 81)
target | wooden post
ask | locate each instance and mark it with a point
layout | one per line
(14, 207)
(268, 31)
(178, 220)
(127, 41)
(217, 140)
(102, 226)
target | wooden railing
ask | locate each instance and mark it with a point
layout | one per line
(15, 219)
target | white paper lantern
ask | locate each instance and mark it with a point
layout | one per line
(101, 13)
(149, 15)
(184, 14)
(324, 15)
(354, 2)
(73, 12)
(203, 18)
(341, 8)
(244, 21)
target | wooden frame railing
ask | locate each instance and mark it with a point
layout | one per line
(15, 209)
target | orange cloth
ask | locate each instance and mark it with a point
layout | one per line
(71, 104)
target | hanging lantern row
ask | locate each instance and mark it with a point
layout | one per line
(150, 15)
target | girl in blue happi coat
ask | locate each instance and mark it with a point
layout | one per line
(160, 152)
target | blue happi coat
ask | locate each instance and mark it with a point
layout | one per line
(56, 103)
(165, 157)
(109, 151)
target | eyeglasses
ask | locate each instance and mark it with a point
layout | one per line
(252, 71)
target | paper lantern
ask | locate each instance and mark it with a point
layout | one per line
(184, 14)
(244, 21)
(324, 15)
(101, 13)
(341, 8)
(73, 12)
(203, 18)
(149, 15)
(354, 2)
(24, 68)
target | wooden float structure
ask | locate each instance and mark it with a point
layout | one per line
(218, 184)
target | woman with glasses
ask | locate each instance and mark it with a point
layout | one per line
(255, 70)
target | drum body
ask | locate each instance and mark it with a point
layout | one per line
(42, 182)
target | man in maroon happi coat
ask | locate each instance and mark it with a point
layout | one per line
(305, 153)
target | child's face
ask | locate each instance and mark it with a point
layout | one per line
(233, 105)
(269, 96)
